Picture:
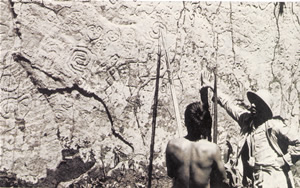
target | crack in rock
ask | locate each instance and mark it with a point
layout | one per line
(85, 93)
(15, 15)
(20, 58)
(42, 4)
(12, 9)
(27, 65)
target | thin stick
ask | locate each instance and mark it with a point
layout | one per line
(173, 93)
(154, 118)
(215, 131)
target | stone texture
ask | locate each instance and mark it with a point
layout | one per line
(77, 80)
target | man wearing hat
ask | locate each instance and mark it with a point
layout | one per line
(267, 149)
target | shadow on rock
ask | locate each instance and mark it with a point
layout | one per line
(71, 167)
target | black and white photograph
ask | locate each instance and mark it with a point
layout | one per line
(149, 94)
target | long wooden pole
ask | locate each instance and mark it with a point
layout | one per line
(173, 93)
(154, 118)
(215, 127)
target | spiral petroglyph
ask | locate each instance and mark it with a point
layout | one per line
(8, 108)
(59, 115)
(80, 58)
(158, 29)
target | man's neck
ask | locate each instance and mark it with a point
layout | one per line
(194, 138)
(258, 121)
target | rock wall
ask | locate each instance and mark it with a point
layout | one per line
(78, 77)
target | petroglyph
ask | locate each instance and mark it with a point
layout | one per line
(94, 32)
(129, 42)
(80, 59)
(77, 80)
(112, 35)
(8, 108)
(24, 105)
(158, 29)
(8, 83)
(71, 20)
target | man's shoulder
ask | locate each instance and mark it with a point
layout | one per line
(177, 143)
(176, 140)
(277, 119)
(206, 145)
(276, 123)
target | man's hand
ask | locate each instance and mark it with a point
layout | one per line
(206, 83)
(206, 79)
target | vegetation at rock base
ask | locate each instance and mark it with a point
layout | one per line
(119, 178)
(96, 178)
(8, 179)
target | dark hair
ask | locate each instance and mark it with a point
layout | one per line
(198, 119)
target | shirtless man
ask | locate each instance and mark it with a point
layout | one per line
(191, 160)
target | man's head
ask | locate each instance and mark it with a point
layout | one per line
(198, 121)
(261, 102)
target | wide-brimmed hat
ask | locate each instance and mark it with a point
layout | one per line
(262, 100)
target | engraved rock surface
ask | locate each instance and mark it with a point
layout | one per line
(78, 77)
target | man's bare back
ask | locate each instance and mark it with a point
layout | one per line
(190, 163)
